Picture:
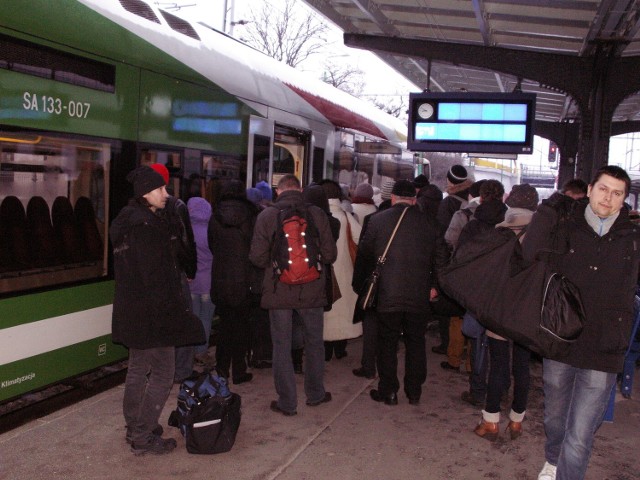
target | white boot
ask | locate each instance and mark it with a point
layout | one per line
(548, 472)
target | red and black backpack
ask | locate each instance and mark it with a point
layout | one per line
(296, 252)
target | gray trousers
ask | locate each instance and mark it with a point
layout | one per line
(281, 336)
(146, 389)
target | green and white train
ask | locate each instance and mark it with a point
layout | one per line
(89, 89)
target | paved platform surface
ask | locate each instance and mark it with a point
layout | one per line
(351, 437)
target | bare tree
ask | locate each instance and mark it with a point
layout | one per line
(290, 36)
(346, 78)
(396, 105)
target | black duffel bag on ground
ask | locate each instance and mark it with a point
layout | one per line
(208, 414)
(211, 427)
(526, 302)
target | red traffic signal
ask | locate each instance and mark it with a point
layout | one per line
(553, 151)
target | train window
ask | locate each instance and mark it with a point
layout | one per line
(318, 164)
(284, 161)
(220, 168)
(31, 59)
(346, 139)
(261, 153)
(53, 210)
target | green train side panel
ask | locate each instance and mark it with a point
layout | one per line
(39, 371)
(69, 25)
(33, 102)
(174, 112)
(40, 306)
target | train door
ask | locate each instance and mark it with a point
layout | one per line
(260, 151)
(291, 154)
(276, 150)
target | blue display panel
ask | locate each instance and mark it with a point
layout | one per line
(471, 122)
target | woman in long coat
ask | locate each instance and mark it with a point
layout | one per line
(338, 322)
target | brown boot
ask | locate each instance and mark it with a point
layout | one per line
(487, 430)
(515, 429)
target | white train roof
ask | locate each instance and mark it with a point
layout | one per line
(254, 77)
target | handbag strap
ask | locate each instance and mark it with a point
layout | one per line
(383, 257)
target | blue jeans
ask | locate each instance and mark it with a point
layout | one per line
(281, 336)
(479, 367)
(146, 389)
(204, 309)
(575, 401)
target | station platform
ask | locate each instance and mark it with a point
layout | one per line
(352, 437)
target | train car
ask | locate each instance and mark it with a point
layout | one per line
(89, 89)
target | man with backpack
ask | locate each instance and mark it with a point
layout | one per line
(292, 241)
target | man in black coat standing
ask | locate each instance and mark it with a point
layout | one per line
(596, 246)
(403, 291)
(183, 246)
(150, 314)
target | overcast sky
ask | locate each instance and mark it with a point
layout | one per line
(380, 79)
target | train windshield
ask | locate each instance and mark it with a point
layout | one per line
(53, 210)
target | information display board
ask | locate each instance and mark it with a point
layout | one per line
(471, 122)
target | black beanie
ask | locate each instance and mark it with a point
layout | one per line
(457, 174)
(421, 181)
(144, 179)
(403, 188)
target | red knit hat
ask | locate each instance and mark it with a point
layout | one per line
(162, 170)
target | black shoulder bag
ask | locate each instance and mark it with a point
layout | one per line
(369, 299)
(527, 302)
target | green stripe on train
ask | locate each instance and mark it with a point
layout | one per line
(39, 306)
(39, 371)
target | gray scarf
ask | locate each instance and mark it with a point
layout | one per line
(600, 225)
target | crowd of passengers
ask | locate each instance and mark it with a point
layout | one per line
(216, 262)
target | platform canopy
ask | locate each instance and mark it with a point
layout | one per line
(575, 28)
(580, 57)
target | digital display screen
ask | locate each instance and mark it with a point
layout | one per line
(485, 112)
(471, 122)
(471, 132)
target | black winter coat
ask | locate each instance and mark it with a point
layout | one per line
(605, 270)
(229, 234)
(406, 277)
(149, 309)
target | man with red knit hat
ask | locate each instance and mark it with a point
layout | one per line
(149, 314)
(183, 246)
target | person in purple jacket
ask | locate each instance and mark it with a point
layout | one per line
(200, 286)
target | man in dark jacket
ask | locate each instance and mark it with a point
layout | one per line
(230, 231)
(282, 300)
(183, 246)
(403, 291)
(150, 315)
(596, 247)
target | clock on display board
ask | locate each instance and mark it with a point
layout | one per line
(425, 110)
